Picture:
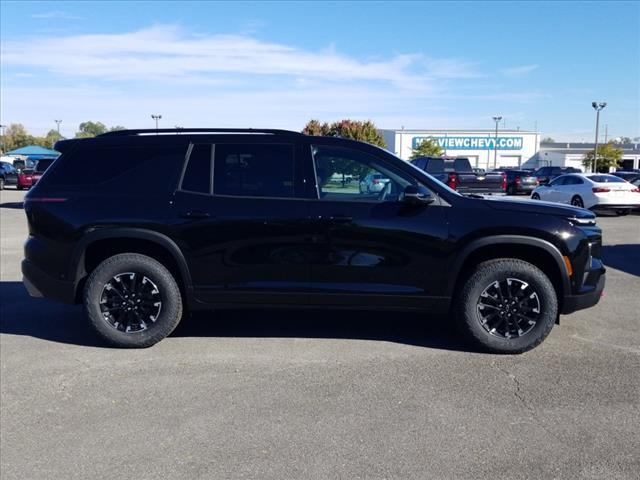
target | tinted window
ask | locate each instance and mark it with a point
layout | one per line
(557, 181)
(43, 165)
(605, 179)
(136, 169)
(351, 175)
(254, 170)
(462, 165)
(197, 175)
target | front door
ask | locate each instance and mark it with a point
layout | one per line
(371, 248)
(240, 218)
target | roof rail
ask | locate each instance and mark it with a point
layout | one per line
(125, 133)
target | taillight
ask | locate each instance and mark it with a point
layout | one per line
(517, 180)
(636, 190)
(600, 190)
(537, 181)
(452, 182)
(504, 182)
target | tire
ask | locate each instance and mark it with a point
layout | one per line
(495, 335)
(150, 276)
(1, 183)
(535, 196)
(623, 211)
(577, 202)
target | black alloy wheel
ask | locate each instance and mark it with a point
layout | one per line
(508, 308)
(130, 302)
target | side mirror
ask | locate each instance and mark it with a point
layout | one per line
(417, 195)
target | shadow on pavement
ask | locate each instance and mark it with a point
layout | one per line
(22, 315)
(625, 258)
(16, 205)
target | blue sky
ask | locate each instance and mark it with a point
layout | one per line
(271, 64)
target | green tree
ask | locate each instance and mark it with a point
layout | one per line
(52, 137)
(363, 131)
(608, 156)
(622, 140)
(16, 136)
(428, 147)
(90, 129)
(547, 140)
(117, 128)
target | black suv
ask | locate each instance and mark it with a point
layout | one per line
(141, 226)
(546, 174)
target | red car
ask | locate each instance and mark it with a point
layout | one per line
(41, 167)
(25, 179)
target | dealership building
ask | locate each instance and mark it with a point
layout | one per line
(515, 148)
(510, 148)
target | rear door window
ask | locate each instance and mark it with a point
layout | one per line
(254, 170)
(197, 174)
(132, 169)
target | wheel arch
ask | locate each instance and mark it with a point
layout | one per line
(101, 244)
(536, 251)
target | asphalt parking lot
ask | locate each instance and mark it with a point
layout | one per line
(275, 395)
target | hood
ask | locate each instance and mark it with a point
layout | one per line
(539, 207)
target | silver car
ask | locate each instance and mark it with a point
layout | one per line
(373, 183)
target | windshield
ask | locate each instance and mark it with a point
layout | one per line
(42, 165)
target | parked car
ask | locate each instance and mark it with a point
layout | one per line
(25, 179)
(546, 174)
(597, 191)
(629, 176)
(458, 175)
(20, 164)
(39, 169)
(8, 175)
(519, 181)
(237, 218)
(373, 183)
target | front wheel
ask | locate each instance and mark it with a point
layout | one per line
(506, 306)
(623, 211)
(132, 301)
(535, 196)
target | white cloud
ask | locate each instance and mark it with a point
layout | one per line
(166, 51)
(231, 80)
(519, 70)
(57, 15)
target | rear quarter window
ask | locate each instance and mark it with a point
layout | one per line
(140, 169)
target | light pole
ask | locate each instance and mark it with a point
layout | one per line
(58, 122)
(156, 117)
(496, 119)
(2, 143)
(597, 107)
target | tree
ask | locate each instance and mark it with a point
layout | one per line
(16, 136)
(357, 130)
(52, 137)
(364, 131)
(117, 128)
(428, 147)
(622, 140)
(547, 140)
(608, 156)
(90, 129)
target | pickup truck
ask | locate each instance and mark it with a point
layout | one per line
(458, 174)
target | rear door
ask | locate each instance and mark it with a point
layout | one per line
(241, 219)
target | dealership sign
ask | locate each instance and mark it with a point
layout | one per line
(473, 143)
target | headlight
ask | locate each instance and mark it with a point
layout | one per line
(582, 222)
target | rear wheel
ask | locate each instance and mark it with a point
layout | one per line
(506, 306)
(577, 202)
(623, 211)
(132, 301)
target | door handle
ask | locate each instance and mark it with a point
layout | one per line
(194, 214)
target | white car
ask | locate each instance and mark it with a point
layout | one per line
(595, 191)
